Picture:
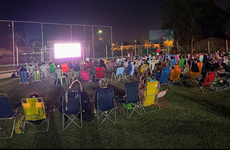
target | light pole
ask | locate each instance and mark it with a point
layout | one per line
(135, 45)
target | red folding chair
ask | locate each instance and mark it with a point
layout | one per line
(208, 80)
(85, 76)
(89, 64)
(99, 73)
(64, 67)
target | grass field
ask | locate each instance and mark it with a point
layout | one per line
(191, 120)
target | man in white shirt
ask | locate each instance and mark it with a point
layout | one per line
(128, 55)
(44, 70)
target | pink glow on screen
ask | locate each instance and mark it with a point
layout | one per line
(67, 50)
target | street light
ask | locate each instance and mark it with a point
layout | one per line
(99, 31)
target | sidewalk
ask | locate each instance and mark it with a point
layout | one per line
(7, 68)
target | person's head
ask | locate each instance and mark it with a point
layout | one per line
(223, 64)
(75, 85)
(33, 95)
(188, 63)
(103, 83)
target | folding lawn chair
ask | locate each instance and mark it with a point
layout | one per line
(37, 76)
(175, 75)
(119, 74)
(99, 73)
(165, 77)
(70, 76)
(126, 76)
(173, 62)
(64, 67)
(89, 65)
(181, 63)
(23, 77)
(105, 105)
(71, 109)
(150, 95)
(132, 102)
(6, 113)
(85, 76)
(60, 76)
(35, 113)
(152, 67)
(197, 74)
(160, 96)
(208, 81)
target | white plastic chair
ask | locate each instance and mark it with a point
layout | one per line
(60, 75)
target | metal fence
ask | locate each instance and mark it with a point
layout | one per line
(94, 38)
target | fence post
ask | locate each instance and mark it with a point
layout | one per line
(17, 55)
(106, 52)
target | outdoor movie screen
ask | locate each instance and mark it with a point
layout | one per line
(67, 50)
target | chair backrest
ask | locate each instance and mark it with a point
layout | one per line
(71, 102)
(132, 71)
(120, 71)
(105, 99)
(173, 62)
(175, 74)
(64, 67)
(23, 76)
(176, 66)
(209, 79)
(165, 75)
(70, 74)
(152, 66)
(181, 63)
(36, 75)
(59, 73)
(132, 91)
(52, 68)
(99, 73)
(85, 76)
(34, 108)
(5, 108)
(105, 61)
(152, 89)
(199, 64)
(89, 64)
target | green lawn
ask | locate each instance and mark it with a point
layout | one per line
(191, 120)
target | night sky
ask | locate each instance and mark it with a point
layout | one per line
(129, 18)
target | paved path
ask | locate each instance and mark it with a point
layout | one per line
(6, 74)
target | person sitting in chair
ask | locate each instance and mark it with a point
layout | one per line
(103, 85)
(144, 68)
(87, 110)
(185, 74)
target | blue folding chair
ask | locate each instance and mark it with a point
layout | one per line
(6, 113)
(131, 103)
(105, 105)
(119, 74)
(71, 109)
(23, 77)
(173, 62)
(165, 77)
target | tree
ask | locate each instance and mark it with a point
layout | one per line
(193, 20)
(26, 41)
(125, 43)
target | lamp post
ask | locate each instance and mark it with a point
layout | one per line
(135, 47)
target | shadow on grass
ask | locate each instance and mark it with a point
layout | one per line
(211, 107)
(51, 136)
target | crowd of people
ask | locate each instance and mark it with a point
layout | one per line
(218, 62)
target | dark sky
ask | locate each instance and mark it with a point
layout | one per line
(129, 18)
